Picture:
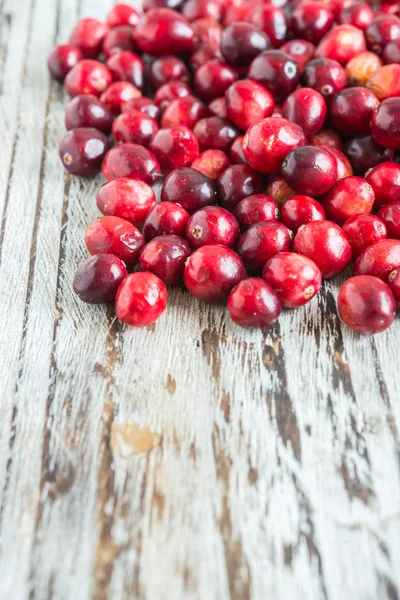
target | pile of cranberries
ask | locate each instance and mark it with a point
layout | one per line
(274, 129)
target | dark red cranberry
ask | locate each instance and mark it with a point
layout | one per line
(253, 304)
(311, 20)
(88, 111)
(167, 68)
(212, 225)
(385, 82)
(129, 199)
(344, 168)
(215, 133)
(150, 4)
(362, 231)
(394, 284)
(341, 43)
(88, 77)
(189, 188)
(207, 33)
(325, 75)
(165, 256)
(213, 78)
(300, 210)
(391, 53)
(383, 29)
(379, 260)
(98, 278)
(301, 52)
(385, 181)
(132, 161)
(360, 68)
(82, 151)
(164, 31)
(326, 138)
(200, 9)
(390, 215)
(88, 36)
(165, 218)
(276, 71)
(118, 94)
(141, 299)
(212, 272)
(236, 152)
(242, 42)
(211, 163)
(184, 111)
(270, 19)
(174, 146)
(134, 126)
(261, 242)
(294, 277)
(385, 124)
(358, 14)
(351, 110)
(145, 105)
(218, 108)
(62, 59)
(122, 14)
(127, 66)
(279, 190)
(307, 108)
(348, 197)
(267, 143)
(255, 209)
(366, 304)
(170, 91)
(364, 153)
(236, 183)
(119, 39)
(310, 170)
(247, 103)
(113, 235)
(326, 244)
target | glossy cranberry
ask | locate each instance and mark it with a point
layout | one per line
(261, 242)
(127, 66)
(62, 59)
(310, 170)
(385, 82)
(391, 52)
(383, 30)
(144, 105)
(255, 209)
(98, 278)
(165, 218)
(311, 20)
(184, 111)
(242, 42)
(385, 124)
(300, 210)
(390, 215)
(360, 68)
(88, 77)
(207, 33)
(307, 108)
(167, 68)
(212, 225)
(348, 197)
(122, 14)
(215, 133)
(88, 36)
(366, 304)
(199, 9)
(326, 244)
(211, 163)
(150, 4)
(113, 235)
(218, 108)
(341, 43)
(141, 299)
(327, 138)
(170, 91)
(301, 51)
(88, 111)
(253, 304)
(165, 256)
(379, 260)
(362, 231)
(189, 188)
(132, 161)
(325, 75)
(394, 284)
(236, 183)
(134, 126)
(351, 110)
(82, 151)
(279, 190)
(276, 71)
(164, 31)
(385, 181)
(270, 19)
(119, 39)
(364, 153)
(129, 199)
(236, 152)
(174, 146)
(118, 94)
(247, 103)
(358, 14)
(213, 78)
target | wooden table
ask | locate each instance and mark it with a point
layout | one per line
(190, 460)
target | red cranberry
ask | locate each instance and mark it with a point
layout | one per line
(255, 209)
(236, 152)
(379, 260)
(215, 133)
(267, 143)
(165, 218)
(307, 108)
(170, 91)
(189, 188)
(184, 111)
(122, 14)
(310, 170)
(174, 146)
(141, 299)
(150, 4)
(198, 9)
(82, 151)
(247, 103)
(129, 199)
(207, 33)
(362, 231)
(127, 66)
(341, 43)
(271, 20)
(164, 31)
(300, 210)
(213, 78)
(134, 126)
(242, 42)
(276, 71)
(98, 278)
(391, 53)
(383, 29)
(62, 59)
(326, 138)
(113, 235)
(165, 256)
(385, 181)
(132, 161)
(279, 190)
(167, 68)
(364, 153)
(88, 111)
(348, 197)
(351, 110)
(358, 14)
(88, 35)
(390, 215)
(394, 284)
(88, 77)
(301, 52)
(344, 168)
(212, 225)
(237, 12)
(336, 6)
(253, 303)
(261, 242)
(311, 21)
(325, 75)
(385, 125)
(212, 272)
(326, 244)
(119, 93)
(360, 68)
(218, 108)
(211, 163)
(119, 39)
(236, 183)
(385, 82)
(145, 105)
(366, 304)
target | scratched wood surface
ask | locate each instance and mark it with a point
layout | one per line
(191, 460)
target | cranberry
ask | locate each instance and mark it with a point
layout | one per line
(88, 35)
(391, 53)
(326, 244)
(127, 66)
(325, 75)
(341, 43)
(385, 82)
(150, 4)
(88, 111)
(184, 111)
(212, 272)
(237, 182)
(134, 126)
(300, 210)
(98, 278)
(164, 31)
(301, 52)
(113, 235)
(119, 39)
(119, 93)
(165, 256)
(247, 103)
(215, 133)
(349, 196)
(326, 138)
(141, 299)
(387, 8)
(310, 170)
(122, 14)
(351, 110)
(211, 163)
(255, 209)
(276, 71)
(279, 190)
(170, 91)
(189, 188)
(145, 105)
(379, 260)
(165, 218)
(198, 9)
(385, 125)
(366, 304)
(362, 231)
(132, 161)
(390, 215)
(307, 108)
(358, 14)
(242, 42)
(62, 59)
(129, 199)
(383, 29)
(360, 68)
(261, 242)
(385, 181)
(82, 151)
(311, 21)
(167, 68)
(213, 78)
(207, 33)
(218, 108)
(271, 20)
(174, 146)
(212, 225)
(88, 77)
(294, 277)
(394, 284)
(253, 303)
(236, 153)
(364, 153)
(267, 143)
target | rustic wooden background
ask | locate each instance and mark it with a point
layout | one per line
(191, 460)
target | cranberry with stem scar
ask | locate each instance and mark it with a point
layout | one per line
(141, 299)
(165, 218)
(385, 181)
(379, 260)
(82, 151)
(212, 225)
(236, 183)
(165, 256)
(211, 163)
(310, 170)
(98, 278)
(88, 77)
(174, 146)
(301, 52)
(253, 304)
(189, 188)
(134, 126)
(300, 210)
(62, 59)
(88, 111)
(113, 235)
(131, 161)
(348, 197)
(255, 209)
(129, 199)
(261, 242)
(363, 231)
(325, 75)
(394, 284)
